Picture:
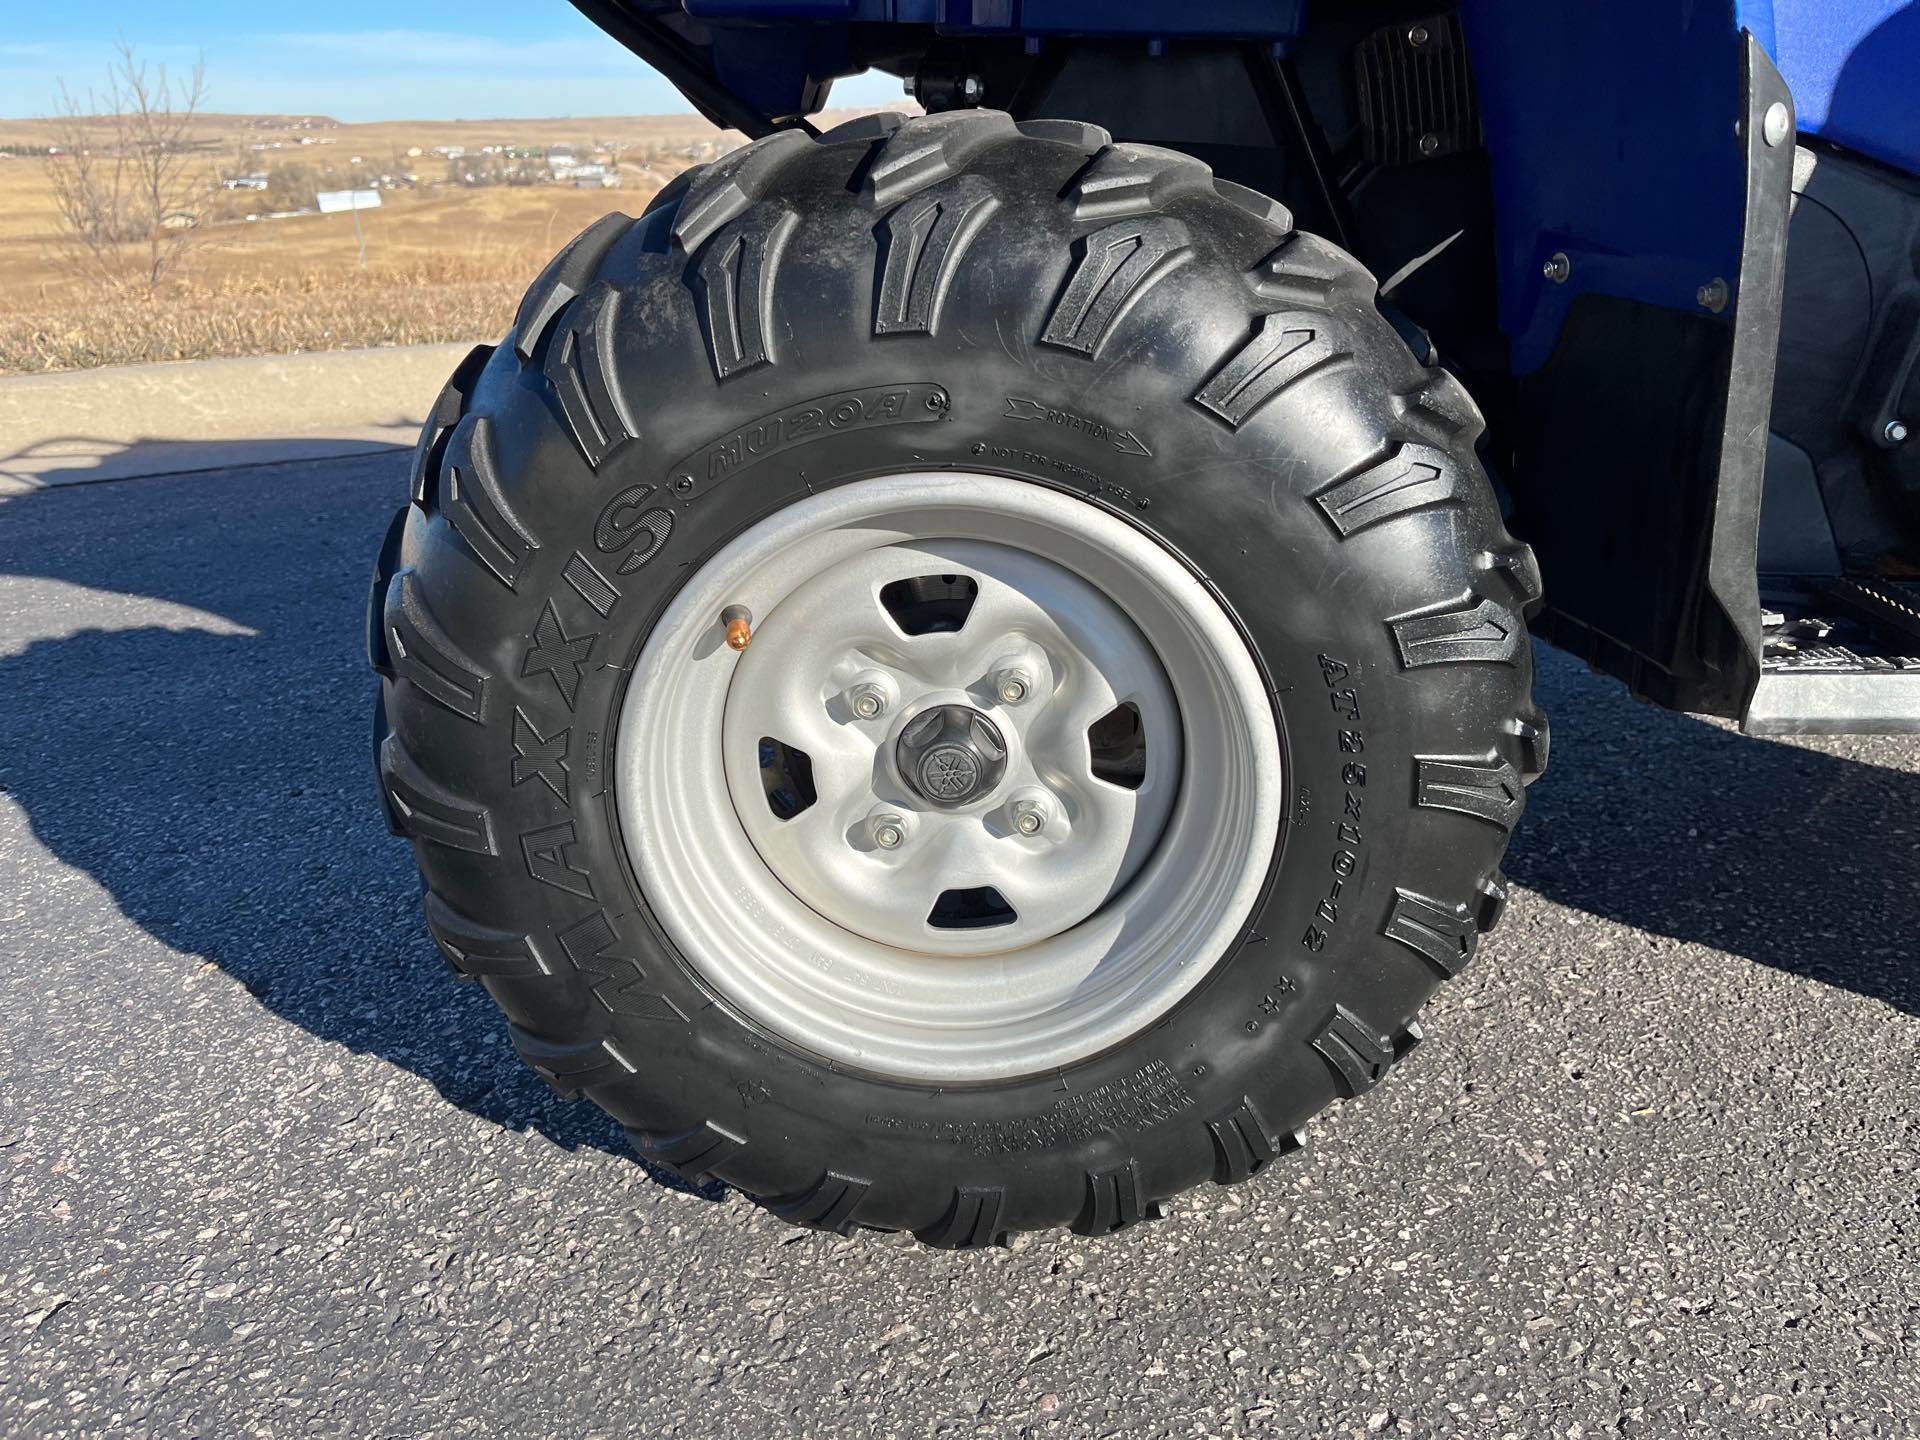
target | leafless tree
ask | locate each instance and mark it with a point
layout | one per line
(128, 178)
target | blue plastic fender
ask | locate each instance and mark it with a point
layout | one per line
(1854, 68)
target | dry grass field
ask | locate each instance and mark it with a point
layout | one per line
(444, 261)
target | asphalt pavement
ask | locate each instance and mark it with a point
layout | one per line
(270, 1170)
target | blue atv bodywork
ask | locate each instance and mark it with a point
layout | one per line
(1607, 192)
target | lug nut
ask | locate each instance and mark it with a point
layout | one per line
(1029, 817)
(868, 701)
(1012, 686)
(889, 832)
(1895, 432)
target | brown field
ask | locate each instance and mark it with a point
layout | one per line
(444, 261)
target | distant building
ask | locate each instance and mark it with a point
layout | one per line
(245, 182)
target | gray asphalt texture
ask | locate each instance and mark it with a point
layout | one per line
(270, 1170)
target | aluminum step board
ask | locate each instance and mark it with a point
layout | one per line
(1838, 657)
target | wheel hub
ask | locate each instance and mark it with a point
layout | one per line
(951, 756)
(993, 786)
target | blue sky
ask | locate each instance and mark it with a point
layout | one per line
(353, 59)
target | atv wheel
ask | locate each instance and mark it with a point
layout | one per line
(956, 676)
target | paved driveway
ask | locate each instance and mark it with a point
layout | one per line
(268, 1169)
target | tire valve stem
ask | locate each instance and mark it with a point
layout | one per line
(739, 622)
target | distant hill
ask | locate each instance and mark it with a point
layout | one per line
(232, 131)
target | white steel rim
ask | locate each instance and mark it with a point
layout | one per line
(820, 926)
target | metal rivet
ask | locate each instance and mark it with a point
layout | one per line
(1418, 36)
(1429, 144)
(1775, 124)
(1896, 432)
(1558, 267)
(1713, 295)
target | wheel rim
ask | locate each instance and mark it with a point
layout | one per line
(995, 784)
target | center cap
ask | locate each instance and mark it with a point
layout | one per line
(952, 755)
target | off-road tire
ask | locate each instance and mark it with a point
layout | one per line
(1185, 361)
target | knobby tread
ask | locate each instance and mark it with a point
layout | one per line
(1358, 1053)
(1443, 934)
(1132, 180)
(419, 652)
(1286, 346)
(1486, 787)
(1413, 478)
(470, 497)
(1265, 209)
(582, 374)
(669, 195)
(832, 1204)
(972, 1221)
(1243, 1145)
(1535, 743)
(385, 562)
(931, 148)
(1081, 134)
(1438, 410)
(566, 275)
(863, 129)
(1472, 630)
(1304, 272)
(473, 950)
(1117, 267)
(1114, 1201)
(429, 813)
(1491, 892)
(931, 193)
(735, 280)
(381, 730)
(728, 188)
(570, 1068)
(921, 245)
(447, 408)
(1517, 566)
(693, 1154)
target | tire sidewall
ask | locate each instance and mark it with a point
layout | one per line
(1313, 605)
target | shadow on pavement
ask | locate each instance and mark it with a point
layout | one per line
(187, 719)
(1801, 860)
(87, 460)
